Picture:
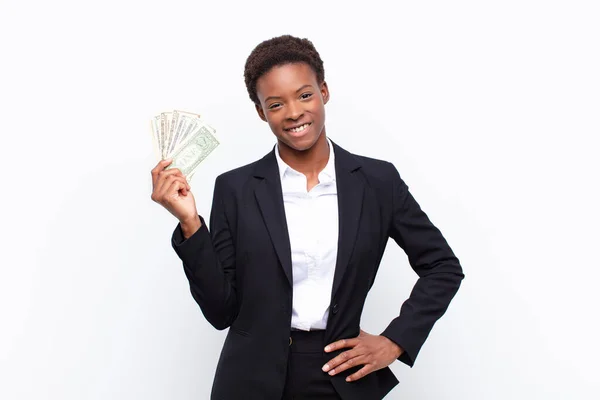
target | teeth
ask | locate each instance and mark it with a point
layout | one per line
(300, 128)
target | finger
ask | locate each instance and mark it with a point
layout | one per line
(167, 191)
(353, 362)
(176, 171)
(161, 165)
(187, 184)
(158, 168)
(341, 344)
(186, 187)
(164, 176)
(164, 188)
(170, 171)
(163, 181)
(173, 189)
(341, 359)
(361, 373)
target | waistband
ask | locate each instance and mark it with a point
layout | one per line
(307, 341)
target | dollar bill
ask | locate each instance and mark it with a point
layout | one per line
(182, 125)
(196, 126)
(189, 154)
(165, 132)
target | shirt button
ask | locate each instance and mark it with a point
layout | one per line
(334, 310)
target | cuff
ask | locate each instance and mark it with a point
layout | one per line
(401, 339)
(187, 249)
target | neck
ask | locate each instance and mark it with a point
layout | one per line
(309, 162)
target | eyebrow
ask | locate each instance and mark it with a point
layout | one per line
(277, 97)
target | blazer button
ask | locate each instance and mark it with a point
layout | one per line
(335, 308)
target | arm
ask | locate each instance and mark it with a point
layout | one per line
(209, 263)
(431, 257)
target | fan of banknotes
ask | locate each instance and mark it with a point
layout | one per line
(184, 137)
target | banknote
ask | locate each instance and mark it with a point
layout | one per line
(183, 123)
(184, 137)
(193, 151)
(165, 132)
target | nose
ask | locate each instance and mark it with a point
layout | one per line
(294, 111)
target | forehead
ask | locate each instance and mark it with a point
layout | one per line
(285, 78)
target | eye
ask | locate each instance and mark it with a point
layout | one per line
(274, 105)
(305, 96)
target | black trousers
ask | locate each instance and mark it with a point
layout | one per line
(305, 378)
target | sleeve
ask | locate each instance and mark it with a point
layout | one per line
(209, 263)
(430, 256)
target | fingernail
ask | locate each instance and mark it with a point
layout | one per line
(327, 348)
(332, 372)
(325, 367)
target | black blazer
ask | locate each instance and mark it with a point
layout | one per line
(240, 273)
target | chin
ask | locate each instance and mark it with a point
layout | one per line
(300, 143)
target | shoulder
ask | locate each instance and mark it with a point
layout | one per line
(238, 173)
(376, 167)
(381, 176)
(239, 176)
(373, 169)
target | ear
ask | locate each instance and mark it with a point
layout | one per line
(261, 112)
(325, 92)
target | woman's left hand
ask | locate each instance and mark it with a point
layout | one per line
(373, 351)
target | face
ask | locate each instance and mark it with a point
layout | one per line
(293, 104)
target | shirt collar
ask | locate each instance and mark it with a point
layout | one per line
(326, 175)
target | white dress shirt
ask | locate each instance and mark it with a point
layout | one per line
(312, 220)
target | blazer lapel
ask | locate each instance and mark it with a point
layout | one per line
(350, 191)
(269, 196)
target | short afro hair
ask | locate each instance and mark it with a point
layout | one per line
(280, 50)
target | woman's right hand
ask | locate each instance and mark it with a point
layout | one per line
(171, 190)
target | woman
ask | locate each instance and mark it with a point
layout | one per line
(295, 242)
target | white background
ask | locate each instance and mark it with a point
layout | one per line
(490, 111)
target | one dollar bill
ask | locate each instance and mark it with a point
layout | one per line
(183, 137)
(188, 156)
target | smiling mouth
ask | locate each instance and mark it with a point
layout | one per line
(299, 129)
